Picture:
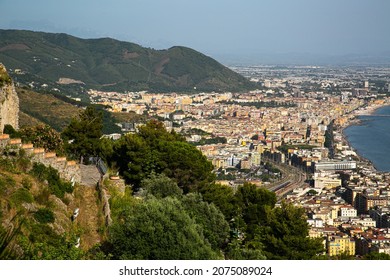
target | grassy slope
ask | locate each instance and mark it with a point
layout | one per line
(111, 64)
(22, 193)
(40, 108)
(45, 108)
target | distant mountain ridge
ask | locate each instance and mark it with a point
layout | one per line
(110, 64)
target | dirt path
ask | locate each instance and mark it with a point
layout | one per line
(89, 175)
(87, 223)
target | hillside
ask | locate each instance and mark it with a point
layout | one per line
(57, 111)
(110, 64)
(44, 108)
(35, 219)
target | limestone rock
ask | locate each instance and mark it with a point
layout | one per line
(9, 101)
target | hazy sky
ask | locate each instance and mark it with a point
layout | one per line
(216, 26)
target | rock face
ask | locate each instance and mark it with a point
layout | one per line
(9, 101)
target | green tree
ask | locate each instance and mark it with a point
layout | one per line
(43, 136)
(156, 150)
(238, 250)
(223, 197)
(133, 157)
(209, 217)
(254, 202)
(377, 256)
(160, 186)
(186, 164)
(82, 135)
(285, 234)
(158, 229)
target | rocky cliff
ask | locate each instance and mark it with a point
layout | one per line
(9, 101)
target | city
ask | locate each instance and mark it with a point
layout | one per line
(288, 137)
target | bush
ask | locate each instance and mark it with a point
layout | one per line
(27, 183)
(57, 186)
(44, 216)
(21, 195)
(8, 129)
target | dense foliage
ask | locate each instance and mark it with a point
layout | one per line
(43, 136)
(5, 79)
(82, 135)
(56, 185)
(44, 216)
(262, 228)
(158, 229)
(153, 149)
(174, 209)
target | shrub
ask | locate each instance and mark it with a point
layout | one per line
(44, 216)
(27, 183)
(21, 195)
(57, 186)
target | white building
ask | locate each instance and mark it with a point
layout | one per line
(347, 211)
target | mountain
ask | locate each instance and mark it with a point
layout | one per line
(109, 64)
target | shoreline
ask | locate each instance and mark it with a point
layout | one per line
(354, 121)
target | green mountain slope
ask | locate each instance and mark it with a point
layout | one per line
(114, 65)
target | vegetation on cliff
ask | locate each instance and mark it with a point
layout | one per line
(5, 79)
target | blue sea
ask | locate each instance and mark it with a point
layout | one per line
(371, 138)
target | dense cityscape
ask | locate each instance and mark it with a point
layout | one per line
(193, 139)
(287, 136)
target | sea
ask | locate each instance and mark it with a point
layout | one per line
(370, 138)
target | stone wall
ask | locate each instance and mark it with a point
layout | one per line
(9, 103)
(68, 170)
(105, 199)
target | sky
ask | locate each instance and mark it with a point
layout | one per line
(235, 28)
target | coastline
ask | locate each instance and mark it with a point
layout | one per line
(354, 121)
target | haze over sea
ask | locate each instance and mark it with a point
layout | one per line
(371, 138)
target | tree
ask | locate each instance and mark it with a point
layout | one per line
(82, 135)
(133, 157)
(222, 196)
(312, 192)
(254, 202)
(160, 186)
(237, 250)
(43, 136)
(209, 217)
(285, 234)
(158, 229)
(377, 256)
(156, 150)
(186, 164)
